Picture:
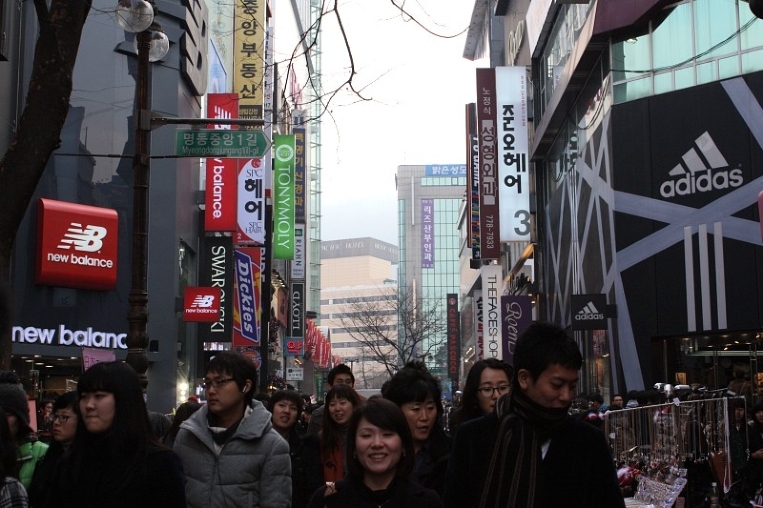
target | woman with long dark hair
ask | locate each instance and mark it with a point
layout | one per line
(418, 394)
(341, 401)
(486, 382)
(115, 460)
(380, 460)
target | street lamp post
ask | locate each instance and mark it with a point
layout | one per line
(151, 45)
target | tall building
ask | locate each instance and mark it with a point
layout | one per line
(645, 158)
(54, 324)
(429, 200)
(359, 289)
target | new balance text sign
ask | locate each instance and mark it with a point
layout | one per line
(201, 304)
(76, 245)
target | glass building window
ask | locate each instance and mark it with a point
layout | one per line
(693, 42)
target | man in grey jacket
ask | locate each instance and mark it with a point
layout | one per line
(232, 456)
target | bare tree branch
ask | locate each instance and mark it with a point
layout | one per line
(396, 328)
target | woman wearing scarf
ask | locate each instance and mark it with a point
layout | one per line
(530, 452)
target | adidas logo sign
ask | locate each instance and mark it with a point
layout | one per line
(701, 171)
(589, 312)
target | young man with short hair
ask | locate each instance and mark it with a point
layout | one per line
(340, 375)
(231, 454)
(530, 452)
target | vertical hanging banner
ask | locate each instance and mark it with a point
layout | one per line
(249, 56)
(300, 164)
(517, 316)
(247, 305)
(250, 229)
(297, 309)
(454, 336)
(479, 331)
(513, 150)
(427, 233)
(267, 100)
(490, 242)
(299, 263)
(492, 287)
(473, 178)
(283, 196)
(220, 213)
(216, 270)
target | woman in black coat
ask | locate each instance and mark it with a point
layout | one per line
(380, 459)
(417, 393)
(115, 459)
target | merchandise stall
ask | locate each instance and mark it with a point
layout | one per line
(674, 454)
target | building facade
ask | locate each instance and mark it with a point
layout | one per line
(54, 324)
(359, 289)
(645, 150)
(429, 201)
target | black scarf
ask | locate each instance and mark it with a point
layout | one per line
(513, 478)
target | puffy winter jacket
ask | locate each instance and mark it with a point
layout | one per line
(252, 469)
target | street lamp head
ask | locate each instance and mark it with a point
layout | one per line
(159, 45)
(134, 15)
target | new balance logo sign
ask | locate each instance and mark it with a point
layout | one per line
(203, 301)
(87, 239)
(703, 169)
(589, 312)
(221, 113)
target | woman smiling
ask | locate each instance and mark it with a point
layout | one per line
(381, 449)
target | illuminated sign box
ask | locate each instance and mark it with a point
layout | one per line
(76, 245)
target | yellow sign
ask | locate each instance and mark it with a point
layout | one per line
(249, 56)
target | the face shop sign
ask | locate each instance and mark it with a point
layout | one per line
(62, 336)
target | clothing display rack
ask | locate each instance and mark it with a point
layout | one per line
(660, 444)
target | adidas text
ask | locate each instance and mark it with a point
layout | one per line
(704, 182)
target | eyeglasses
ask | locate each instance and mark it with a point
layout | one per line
(488, 391)
(217, 383)
(60, 418)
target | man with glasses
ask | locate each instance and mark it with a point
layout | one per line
(231, 454)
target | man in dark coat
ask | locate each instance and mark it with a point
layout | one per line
(530, 452)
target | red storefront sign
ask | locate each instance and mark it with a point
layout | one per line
(76, 245)
(201, 304)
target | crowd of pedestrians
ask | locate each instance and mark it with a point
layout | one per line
(512, 442)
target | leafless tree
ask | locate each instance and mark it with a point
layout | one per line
(396, 328)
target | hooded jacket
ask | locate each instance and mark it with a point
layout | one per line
(251, 469)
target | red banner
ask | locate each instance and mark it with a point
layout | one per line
(220, 212)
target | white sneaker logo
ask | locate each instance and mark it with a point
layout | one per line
(589, 312)
(702, 170)
(87, 239)
(203, 301)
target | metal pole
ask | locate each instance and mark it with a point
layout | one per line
(137, 318)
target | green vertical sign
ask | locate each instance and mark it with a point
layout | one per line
(283, 196)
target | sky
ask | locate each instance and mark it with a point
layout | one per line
(418, 83)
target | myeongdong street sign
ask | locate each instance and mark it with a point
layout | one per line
(221, 143)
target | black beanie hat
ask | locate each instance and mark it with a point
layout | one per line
(13, 398)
